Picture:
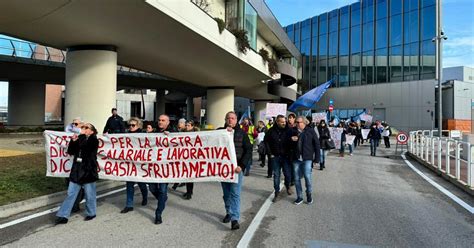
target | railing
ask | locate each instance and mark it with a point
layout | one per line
(27, 50)
(448, 156)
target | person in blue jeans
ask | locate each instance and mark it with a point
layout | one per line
(135, 126)
(305, 143)
(324, 139)
(160, 190)
(83, 173)
(276, 141)
(374, 137)
(231, 191)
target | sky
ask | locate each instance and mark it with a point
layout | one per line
(458, 23)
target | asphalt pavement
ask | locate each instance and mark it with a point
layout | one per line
(358, 201)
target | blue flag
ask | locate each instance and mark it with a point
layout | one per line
(311, 97)
(246, 114)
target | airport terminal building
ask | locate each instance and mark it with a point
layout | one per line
(381, 55)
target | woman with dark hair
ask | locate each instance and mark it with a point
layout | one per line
(83, 173)
(135, 126)
(189, 127)
(324, 139)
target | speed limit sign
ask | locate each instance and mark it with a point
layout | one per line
(402, 138)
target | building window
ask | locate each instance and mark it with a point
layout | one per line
(250, 24)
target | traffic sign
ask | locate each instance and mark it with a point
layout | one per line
(402, 138)
(331, 101)
(331, 108)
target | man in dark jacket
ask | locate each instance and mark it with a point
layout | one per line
(374, 137)
(305, 143)
(243, 151)
(276, 142)
(114, 123)
(160, 190)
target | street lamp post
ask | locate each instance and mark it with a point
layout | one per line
(440, 36)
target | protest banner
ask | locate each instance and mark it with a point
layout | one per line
(318, 117)
(365, 133)
(275, 109)
(350, 139)
(336, 134)
(152, 157)
(366, 117)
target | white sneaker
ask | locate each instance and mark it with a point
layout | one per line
(350, 154)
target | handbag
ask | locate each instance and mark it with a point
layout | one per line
(329, 143)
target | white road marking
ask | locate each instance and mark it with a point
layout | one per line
(439, 187)
(52, 210)
(248, 235)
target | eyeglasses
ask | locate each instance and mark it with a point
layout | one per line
(85, 127)
(75, 124)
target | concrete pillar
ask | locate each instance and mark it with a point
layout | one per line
(160, 103)
(260, 107)
(26, 101)
(219, 101)
(91, 84)
(189, 108)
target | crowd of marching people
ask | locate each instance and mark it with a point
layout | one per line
(289, 145)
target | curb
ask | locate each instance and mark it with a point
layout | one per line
(46, 200)
(448, 178)
(22, 133)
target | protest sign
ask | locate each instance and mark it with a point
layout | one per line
(152, 157)
(350, 139)
(318, 117)
(275, 109)
(365, 133)
(366, 117)
(336, 134)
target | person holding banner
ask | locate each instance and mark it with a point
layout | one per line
(189, 127)
(83, 173)
(75, 127)
(160, 190)
(276, 142)
(305, 143)
(325, 143)
(374, 138)
(135, 126)
(243, 151)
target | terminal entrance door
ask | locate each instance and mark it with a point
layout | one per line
(379, 114)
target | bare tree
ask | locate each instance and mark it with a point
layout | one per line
(203, 4)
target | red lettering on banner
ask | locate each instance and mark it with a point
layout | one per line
(193, 168)
(53, 152)
(197, 141)
(146, 143)
(166, 173)
(61, 167)
(187, 141)
(201, 168)
(102, 155)
(225, 170)
(173, 142)
(232, 171)
(159, 154)
(120, 168)
(101, 142)
(129, 142)
(225, 154)
(129, 155)
(113, 140)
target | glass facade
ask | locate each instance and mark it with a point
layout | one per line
(368, 42)
(250, 24)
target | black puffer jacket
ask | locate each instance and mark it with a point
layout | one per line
(276, 141)
(243, 147)
(86, 149)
